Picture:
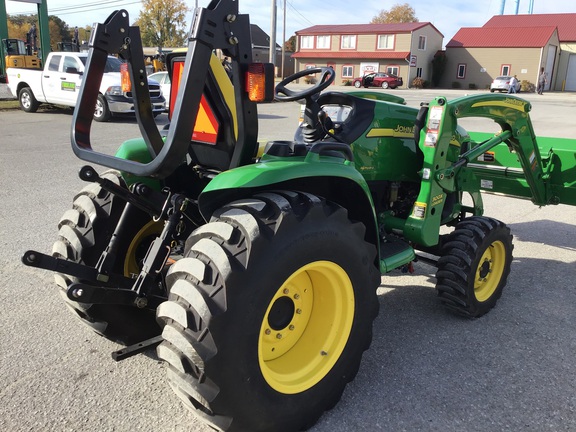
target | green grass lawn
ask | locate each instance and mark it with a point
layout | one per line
(8, 105)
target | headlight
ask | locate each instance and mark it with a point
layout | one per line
(114, 91)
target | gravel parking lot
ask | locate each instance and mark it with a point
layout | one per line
(426, 370)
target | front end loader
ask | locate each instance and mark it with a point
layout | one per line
(253, 268)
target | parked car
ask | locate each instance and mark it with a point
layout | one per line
(378, 79)
(164, 80)
(502, 84)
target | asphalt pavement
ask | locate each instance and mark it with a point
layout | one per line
(427, 370)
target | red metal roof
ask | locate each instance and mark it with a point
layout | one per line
(351, 55)
(501, 37)
(566, 23)
(365, 28)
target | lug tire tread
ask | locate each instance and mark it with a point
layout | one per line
(460, 255)
(83, 234)
(199, 294)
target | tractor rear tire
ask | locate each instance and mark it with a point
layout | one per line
(84, 233)
(474, 265)
(269, 312)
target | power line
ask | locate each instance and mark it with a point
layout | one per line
(66, 8)
(95, 9)
(84, 8)
(298, 12)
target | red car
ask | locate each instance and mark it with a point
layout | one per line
(378, 79)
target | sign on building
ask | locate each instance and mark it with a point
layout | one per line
(366, 68)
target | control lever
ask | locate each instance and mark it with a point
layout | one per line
(327, 124)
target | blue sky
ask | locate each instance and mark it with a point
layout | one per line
(447, 15)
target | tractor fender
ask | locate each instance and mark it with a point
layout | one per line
(136, 150)
(334, 181)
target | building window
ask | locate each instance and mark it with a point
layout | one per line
(323, 42)
(347, 71)
(461, 72)
(418, 72)
(306, 42)
(386, 42)
(422, 43)
(348, 42)
(393, 70)
(505, 70)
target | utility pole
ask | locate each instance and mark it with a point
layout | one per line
(272, 57)
(283, 39)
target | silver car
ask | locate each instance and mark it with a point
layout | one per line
(502, 84)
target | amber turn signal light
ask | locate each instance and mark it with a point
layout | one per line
(260, 82)
(125, 78)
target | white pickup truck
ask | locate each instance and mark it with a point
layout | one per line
(60, 81)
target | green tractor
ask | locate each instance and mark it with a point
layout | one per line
(254, 269)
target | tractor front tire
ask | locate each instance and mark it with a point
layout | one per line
(269, 312)
(474, 265)
(84, 233)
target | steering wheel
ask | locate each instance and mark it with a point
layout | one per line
(281, 93)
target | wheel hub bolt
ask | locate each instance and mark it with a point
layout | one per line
(296, 296)
(298, 311)
(141, 302)
(279, 336)
(267, 331)
(291, 327)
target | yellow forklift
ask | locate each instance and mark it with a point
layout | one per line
(19, 54)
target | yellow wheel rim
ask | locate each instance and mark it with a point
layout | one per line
(306, 327)
(489, 271)
(131, 266)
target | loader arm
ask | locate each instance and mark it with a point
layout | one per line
(445, 171)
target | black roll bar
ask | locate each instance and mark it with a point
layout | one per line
(215, 26)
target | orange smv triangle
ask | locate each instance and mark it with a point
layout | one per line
(206, 126)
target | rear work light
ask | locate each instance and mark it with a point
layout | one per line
(260, 82)
(125, 82)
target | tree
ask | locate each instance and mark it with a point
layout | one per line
(19, 25)
(438, 67)
(162, 23)
(399, 13)
(290, 44)
(59, 31)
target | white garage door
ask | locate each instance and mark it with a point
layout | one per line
(571, 75)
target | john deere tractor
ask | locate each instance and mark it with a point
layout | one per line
(254, 268)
